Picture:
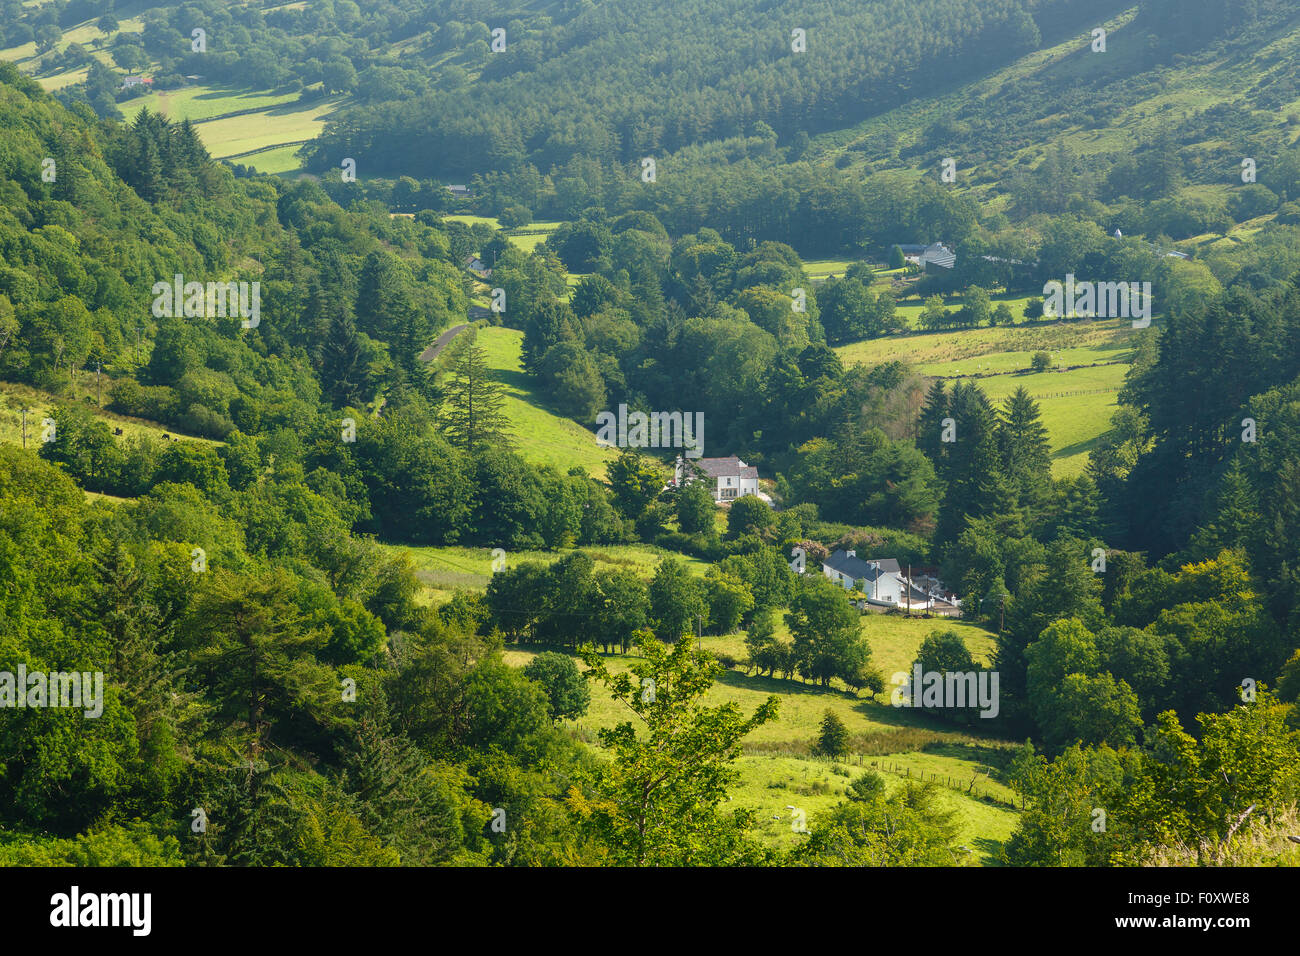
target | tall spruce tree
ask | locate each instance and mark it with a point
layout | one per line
(1023, 448)
(975, 484)
(344, 372)
(471, 414)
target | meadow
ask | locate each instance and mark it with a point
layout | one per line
(15, 397)
(444, 569)
(232, 136)
(539, 435)
(779, 771)
(1076, 402)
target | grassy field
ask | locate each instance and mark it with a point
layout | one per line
(86, 33)
(444, 569)
(276, 161)
(533, 235)
(13, 398)
(778, 769)
(823, 268)
(278, 120)
(203, 102)
(1076, 403)
(229, 136)
(772, 784)
(1076, 407)
(540, 435)
(1110, 340)
(490, 221)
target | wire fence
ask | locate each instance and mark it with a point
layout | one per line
(967, 787)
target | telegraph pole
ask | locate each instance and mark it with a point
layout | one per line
(99, 399)
(24, 427)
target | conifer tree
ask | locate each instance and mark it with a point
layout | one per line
(1023, 447)
(471, 414)
(833, 740)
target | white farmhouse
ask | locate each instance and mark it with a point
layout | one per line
(727, 478)
(885, 582)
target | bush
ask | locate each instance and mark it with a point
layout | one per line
(155, 402)
(514, 216)
(833, 740)
(1041, 361)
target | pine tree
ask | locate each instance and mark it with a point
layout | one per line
(344, 372)
(1023, 447)
(386, 308)
(976, 486)
(929, 426)
(471, 412)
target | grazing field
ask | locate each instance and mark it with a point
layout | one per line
(1076, 403)
(778, 769)
(1111, 340)
(771, 785)
(274, 162)
(540, 436)
(13, 398)
(909, 308)
(444, 569)
(203, 102)
(86, 33)
(227, 130)
(1076, 407)
(473, 220)
(824, 268)
(229, 136)
(533, 235)
(894, 640)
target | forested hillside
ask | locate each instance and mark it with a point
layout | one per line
(309, 468)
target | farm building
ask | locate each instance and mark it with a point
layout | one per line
(885, 583)
(938, 255)
(935, 254)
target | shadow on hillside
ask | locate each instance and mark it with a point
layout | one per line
(1077, 448)
(518, 382)
(990, 848)
(776, 685)
(873, 709)
(996, 757)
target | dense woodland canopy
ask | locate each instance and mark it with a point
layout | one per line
(227, 688)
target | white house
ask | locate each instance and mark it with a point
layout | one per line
(727, 478)
(884, 580)
(937, 254)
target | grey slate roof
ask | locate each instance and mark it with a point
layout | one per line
(857, 568)
(719, 467)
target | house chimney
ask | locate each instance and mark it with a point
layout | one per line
(851, 554)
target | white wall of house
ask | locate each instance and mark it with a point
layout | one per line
(731, 487)
(888, 588)
(843, 580)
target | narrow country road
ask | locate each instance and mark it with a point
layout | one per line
(432, 352)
